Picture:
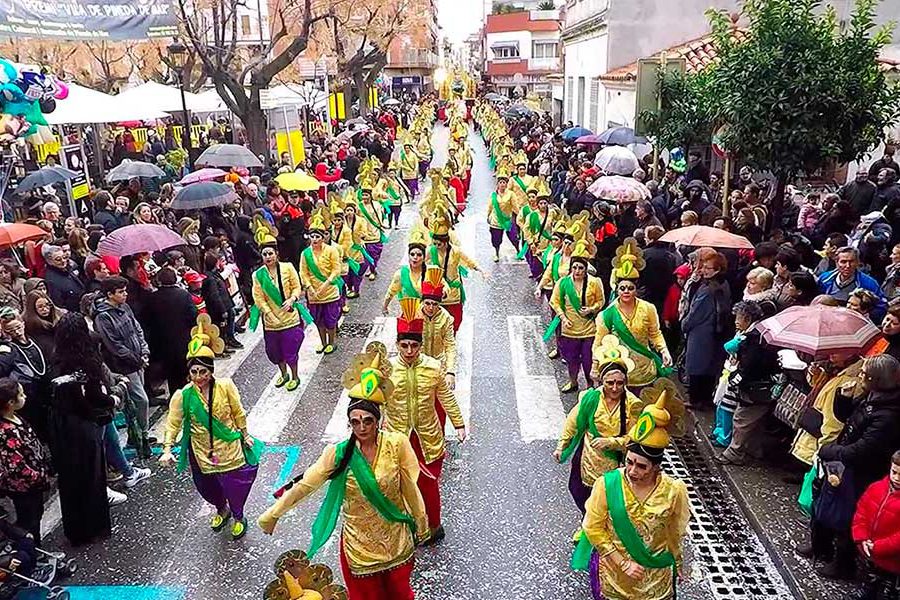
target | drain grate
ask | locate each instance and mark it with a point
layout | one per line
(724, 544)
(355, 330)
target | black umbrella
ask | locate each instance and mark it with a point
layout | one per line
(203, 195)
(517, 110)
(45, 176)
(620, 136)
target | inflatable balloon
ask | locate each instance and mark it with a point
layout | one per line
(27, 93)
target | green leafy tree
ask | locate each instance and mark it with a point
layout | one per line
(686, 116)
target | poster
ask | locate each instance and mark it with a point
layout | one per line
(89, 19)
(79, 188)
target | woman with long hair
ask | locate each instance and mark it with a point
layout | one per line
(78, 244)
(12, 291)
(41, 317)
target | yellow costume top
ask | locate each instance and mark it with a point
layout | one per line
(450, 265)
(396, 285)
(328, 260)
(438, 339)
(661, 520)
(644, 326)
(228, 410)
(594, 299)
(540, 239)
(372, 231)
(423, 148)
(345, 266)
(507, 203)
(409, 164)
(594, 462)
(371, 544)
(548, 282)
(346, 239)
(274, 318)
(519, 187)
(411, 407)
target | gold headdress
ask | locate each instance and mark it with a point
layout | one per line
(612, 352)
(578, 225)
(418, 236)
(629, 260)
(438, 223)
(584, 249)
(652, 430)
(335, 205)
(503, 171)
(539, 186)
(521, 158)
(369, 375)
(320, 220)
(264, 233)
(205, 341)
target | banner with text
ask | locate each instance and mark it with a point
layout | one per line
(89, 19)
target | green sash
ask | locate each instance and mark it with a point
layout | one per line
(566, 291)
(269, 288)
(520, 183)
(371, 220)
(353, 265)
(614, 323)
(314, 268)
(587, 408)
(546, 255)
(192, 406)
(503, 220)
(456, 284)
(408, 290)
(393, 194)
(327, 518)
(625, 531)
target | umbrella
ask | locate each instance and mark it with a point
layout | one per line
(819, 330)
(589, 139)
(701, 235)
(130, 169)
(516, 111)
(391, 102)
(359, 120)
(15, 233)
(616, 160)
(136, 239)
(573, 133)
(207, 174)
(495, 97)
(45, 176)
(203, 195)
(293, 182)
(228, 155)
(619, 189)
(349, 133)
(621, 136)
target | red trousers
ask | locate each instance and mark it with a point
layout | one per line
(456, 311)
(429, 483)
(386, 585)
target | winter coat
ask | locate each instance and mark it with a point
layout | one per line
(658, 274)
(170, 314)
(859, 195)
(757, 363)
(64, 288)
(110, 220)
(218, 300)
(704, 327)
(871, 435)
(121, 337)
(877, 518)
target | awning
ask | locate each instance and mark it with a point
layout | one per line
(84, 105)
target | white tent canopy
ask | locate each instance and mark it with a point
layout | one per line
(293, 94)
(152, 96)
(84, 105)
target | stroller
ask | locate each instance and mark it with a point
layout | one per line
(24, 565)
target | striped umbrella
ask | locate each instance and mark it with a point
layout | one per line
(819, 330)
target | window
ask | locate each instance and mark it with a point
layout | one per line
(245, 24)
(595, 104)
(570, 92)
(542, 49)
(506, 51)
(581, 90)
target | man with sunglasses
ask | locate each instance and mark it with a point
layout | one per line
(419, 383)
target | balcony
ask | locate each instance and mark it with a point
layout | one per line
(545, 64)
(412, 58)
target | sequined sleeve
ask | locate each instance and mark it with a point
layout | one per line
(596, 524)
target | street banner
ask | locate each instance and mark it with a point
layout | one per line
(89, 19)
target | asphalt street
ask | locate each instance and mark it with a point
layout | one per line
(507, 511)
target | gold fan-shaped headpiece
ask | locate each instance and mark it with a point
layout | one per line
(205, 341)
(368, 377)
(264, 233)
(629, 260)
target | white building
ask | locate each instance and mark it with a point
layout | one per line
(522, 50)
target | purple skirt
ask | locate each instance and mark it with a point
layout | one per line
(327, 314)
(423, 168)
(224, 490)
(413, 185)
(283, 346)
(535, 264)
(374, 249)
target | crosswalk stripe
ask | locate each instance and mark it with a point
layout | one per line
(384, 331)
(275, 406)
(541, 415)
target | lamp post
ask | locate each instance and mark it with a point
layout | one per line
(177, 57)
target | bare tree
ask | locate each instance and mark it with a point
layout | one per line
(110, 67)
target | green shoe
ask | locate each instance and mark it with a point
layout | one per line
(568, 388)
(239, 529)
(217, 523)
(320, 348)
(329, 349)
(292, 385)
(282, 379)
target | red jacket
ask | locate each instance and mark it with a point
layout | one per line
(323, 175)
(877, 518)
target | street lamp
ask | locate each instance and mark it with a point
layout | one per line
(177, 58)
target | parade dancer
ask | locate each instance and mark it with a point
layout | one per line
(576, 300)
(395, 190)
(351, 239)
(371, 485)
(424, 152)
(596, 429)
(418, 383)
(520, 182)
(558, 267)
(320, 274)
(407, 280)
(634, 321)
(454, 264)
(333, 235)
(537, 228)
(409, 168)
(637, 516)
(373, 214)
(276, 299)
(223, 458)
(438, 335)
(500, 212)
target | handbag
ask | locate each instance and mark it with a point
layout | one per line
(811, 421)
(834, 506)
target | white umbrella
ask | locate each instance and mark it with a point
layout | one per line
(617, 160)
(228, 155)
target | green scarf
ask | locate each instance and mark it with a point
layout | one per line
(269, 288)
(314, 268)
(192, 407)
(612, 320)
(327, 518)
(503, 220)
(625, 531)
(455, 284)
(546, 256)
(587, 408)
(566, 291)
(408, 289)
(520, 183)
(371, 220)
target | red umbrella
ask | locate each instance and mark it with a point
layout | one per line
(589, 139)
(136, 239)
(16, 233)
(701, 235)
(819, 330)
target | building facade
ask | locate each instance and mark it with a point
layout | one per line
(522, 52)
(414, 56)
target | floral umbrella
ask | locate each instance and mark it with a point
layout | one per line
(619, 189)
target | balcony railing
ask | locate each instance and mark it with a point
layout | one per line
(545, 64)
(413, 57)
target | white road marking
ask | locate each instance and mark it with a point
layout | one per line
(384, 330)
(541, 415)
